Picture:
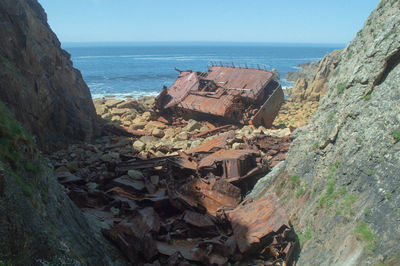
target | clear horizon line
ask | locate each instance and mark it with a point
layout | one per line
(203, 42)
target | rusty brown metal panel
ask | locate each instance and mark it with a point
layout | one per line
(253, 221)
(207, 105)
(214, 194)
(186, 81)
(269, 110)
(251, 80)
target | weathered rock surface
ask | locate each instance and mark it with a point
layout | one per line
(311, 84)
(37, 80)
(341, 176)
(39, 225)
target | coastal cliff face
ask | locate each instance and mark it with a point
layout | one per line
(312, 80)
(39, 225)
(311, 83)
(37, 80)
(340, 181)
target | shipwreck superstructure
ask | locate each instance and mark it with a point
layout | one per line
(224, 93)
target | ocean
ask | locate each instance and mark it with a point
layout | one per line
(141, 69)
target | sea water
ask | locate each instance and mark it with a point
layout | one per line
(142, 69)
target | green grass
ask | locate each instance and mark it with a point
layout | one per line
(331, 115)
(9, 65)
(348, 204)
(315, 145)
(350, 54)
(26, 187)
(330, 194)
(364, 233)
(342, 191)
(367, 212)
(304, 237)
(32, 168)
(367, 96)
(396, 135)
(341, 87)
(388, 195)
(369, 172)
(18, 154)
(295, 180)
(12, 138)
(300, 191)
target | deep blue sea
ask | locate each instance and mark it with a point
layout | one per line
(142, 69)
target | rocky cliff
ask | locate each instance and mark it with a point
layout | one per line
(312, 80)
(39, 225)
(311, 83)
(37, 80)
(340, 181)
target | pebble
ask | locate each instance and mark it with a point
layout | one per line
(154, 179)
(157, 133)
(138, 145)
(135, 174)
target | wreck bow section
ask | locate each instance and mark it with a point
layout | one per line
(224, 94)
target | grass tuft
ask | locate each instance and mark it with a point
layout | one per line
(341, 87)
(396, 135)
(295, 180)
(364, 233)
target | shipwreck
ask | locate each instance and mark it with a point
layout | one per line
(224, 94)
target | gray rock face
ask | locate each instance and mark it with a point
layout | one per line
(39, 225)
(37, 79)
(340, 181)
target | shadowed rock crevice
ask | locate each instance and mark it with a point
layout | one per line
(391, 62)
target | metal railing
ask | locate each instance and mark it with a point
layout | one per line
(237, 65)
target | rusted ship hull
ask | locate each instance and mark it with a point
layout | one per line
(224, 94)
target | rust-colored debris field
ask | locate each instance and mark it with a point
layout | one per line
(165, 205)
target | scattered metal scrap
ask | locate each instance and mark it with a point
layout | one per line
(224, 94)
(186, 208)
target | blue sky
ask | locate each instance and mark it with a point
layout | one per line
(284, 21)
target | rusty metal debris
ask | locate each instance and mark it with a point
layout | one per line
(192, 214)
(224, 94)
(232, 165)
(187, 208)
(254, 222)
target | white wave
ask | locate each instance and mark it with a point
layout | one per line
(134, 94)
(297, 59)
(286, 87)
